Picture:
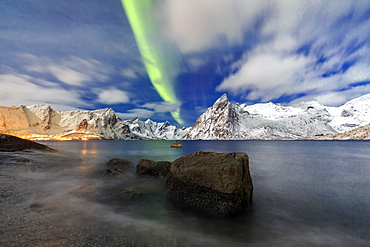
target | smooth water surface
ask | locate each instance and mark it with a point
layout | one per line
(306, 193)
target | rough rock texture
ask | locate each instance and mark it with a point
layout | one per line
(10, 143)
(153, 168)
(216, 183)
(119, 163)
(117, 166)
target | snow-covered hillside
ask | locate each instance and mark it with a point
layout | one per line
(361, 133)
(45, 122)
(153, 130)
(225, 120)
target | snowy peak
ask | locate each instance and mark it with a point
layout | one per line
(153, 130)
(221, 121)
(225, 120)
(222, 99)
(43, 120)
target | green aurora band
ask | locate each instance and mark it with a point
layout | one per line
(156, 63)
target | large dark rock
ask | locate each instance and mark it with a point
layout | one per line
(153, 168)
(216, 183)
(9, 143)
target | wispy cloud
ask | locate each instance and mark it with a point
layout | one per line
(162, 106)
(290, 47)
(72, 70)
(196, 25)
(148, 110)
(17, 89)
(133, 113)
(112, 96)
(305, 55)
(67, 83)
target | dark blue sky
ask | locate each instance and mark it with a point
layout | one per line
(83, 54)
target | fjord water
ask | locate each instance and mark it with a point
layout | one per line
(306, 193)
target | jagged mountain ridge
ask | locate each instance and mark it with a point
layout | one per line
(98, 124)
(225, 120)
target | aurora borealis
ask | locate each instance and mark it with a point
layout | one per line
(171, 59)
(152, 52)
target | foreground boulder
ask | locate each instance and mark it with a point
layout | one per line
(9, 143)
(216, 183)
(153, 168)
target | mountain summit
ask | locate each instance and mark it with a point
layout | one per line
(225, 120)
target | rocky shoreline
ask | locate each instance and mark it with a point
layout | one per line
(47, 201)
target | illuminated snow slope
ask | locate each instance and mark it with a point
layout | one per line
(43, 122)
(225, 120)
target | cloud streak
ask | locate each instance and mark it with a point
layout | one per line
(297, 48)
(29, 93)
(72, 70)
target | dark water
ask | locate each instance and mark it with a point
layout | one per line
(306, 193)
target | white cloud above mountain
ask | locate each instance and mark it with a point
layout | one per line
(112, 96)
(300, 47)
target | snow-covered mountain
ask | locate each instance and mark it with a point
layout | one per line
(353, 114)
(361, 133)
(225, 120)
(153, 130)
(43, 122)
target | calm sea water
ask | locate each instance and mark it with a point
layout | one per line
(306, 193)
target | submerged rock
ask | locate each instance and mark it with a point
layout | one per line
(128, 194)
(153, 168)
(215, 183)
(119, 163)
(117, 166)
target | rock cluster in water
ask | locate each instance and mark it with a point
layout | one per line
(215, 183)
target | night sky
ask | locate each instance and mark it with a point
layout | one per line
(87, 54)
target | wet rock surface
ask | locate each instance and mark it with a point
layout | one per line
(215, 183)
(117, 167)
(153, 168)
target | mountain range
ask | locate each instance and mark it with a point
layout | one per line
(224, 120)
(42, 122)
